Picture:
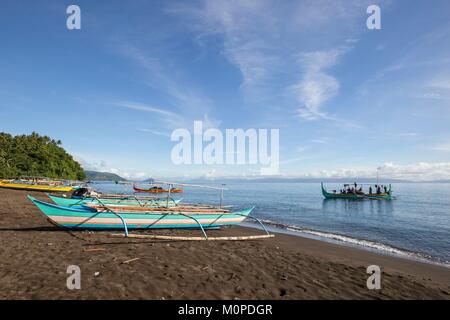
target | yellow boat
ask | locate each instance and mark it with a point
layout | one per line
(34, 187)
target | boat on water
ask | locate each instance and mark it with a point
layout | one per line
(128, 200)
(95, 216)
(25, 185)
(358, 195)
(157, 189)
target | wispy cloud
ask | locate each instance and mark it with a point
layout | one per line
(240, 24)
(156, 133)
(170, 119)
(187, 102)
(142, 107)
(263, 40)
(316, 86)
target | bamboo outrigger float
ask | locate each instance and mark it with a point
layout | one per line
(358, 196)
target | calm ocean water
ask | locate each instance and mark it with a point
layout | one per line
(416, 223)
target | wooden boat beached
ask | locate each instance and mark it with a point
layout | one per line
(98, 215)
(357, 196)
(115, 200)
(34, 187)
(121, 217)
(156, 189)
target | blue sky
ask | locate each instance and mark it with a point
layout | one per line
(345, 98)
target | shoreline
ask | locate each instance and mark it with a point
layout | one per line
(356, 243)
(36, 254)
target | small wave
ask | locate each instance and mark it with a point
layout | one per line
(357, 242)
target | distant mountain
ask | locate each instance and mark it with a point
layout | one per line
(102, 176)
(297, 180)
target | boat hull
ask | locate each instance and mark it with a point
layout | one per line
(83, 217)
(69, 202)
(22, 186)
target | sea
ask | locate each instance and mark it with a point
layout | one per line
(415, 224)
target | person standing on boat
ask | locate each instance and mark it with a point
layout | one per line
(370, 189)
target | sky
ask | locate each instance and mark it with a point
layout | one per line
(346, 99)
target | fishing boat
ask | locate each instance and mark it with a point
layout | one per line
(94, 216)
(157, 189)
(357, 196)
(115, 200)
(98, 215)
(19, 185)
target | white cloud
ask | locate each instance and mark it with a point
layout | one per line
(170, 119)
(421, 171)
(316, 86)
(142, 107)
(240, 24)
(263, 40)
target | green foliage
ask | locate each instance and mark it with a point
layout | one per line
(35, 155)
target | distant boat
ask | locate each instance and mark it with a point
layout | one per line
(357, 196)
(34, 187)
(157, 189)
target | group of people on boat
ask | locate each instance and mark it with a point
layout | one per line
(355, 189)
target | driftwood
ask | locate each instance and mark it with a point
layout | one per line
(128, 261)
(94, 249)
(178, 238)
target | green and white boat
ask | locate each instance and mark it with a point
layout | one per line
(358, 196)
(94, 216)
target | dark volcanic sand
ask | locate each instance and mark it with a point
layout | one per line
(34, 256)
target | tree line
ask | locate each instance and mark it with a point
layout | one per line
(36, 155)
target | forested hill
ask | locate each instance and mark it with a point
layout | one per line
(102, 176)
(35, 155)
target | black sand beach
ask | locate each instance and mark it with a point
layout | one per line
(35, 254)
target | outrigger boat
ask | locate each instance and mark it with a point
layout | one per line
(34, 187)
(128, 200)
(358, 196)
(94, 216)
(121, 216)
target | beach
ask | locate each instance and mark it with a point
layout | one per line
(35, 255)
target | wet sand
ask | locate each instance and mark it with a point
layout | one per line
(34, 256)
